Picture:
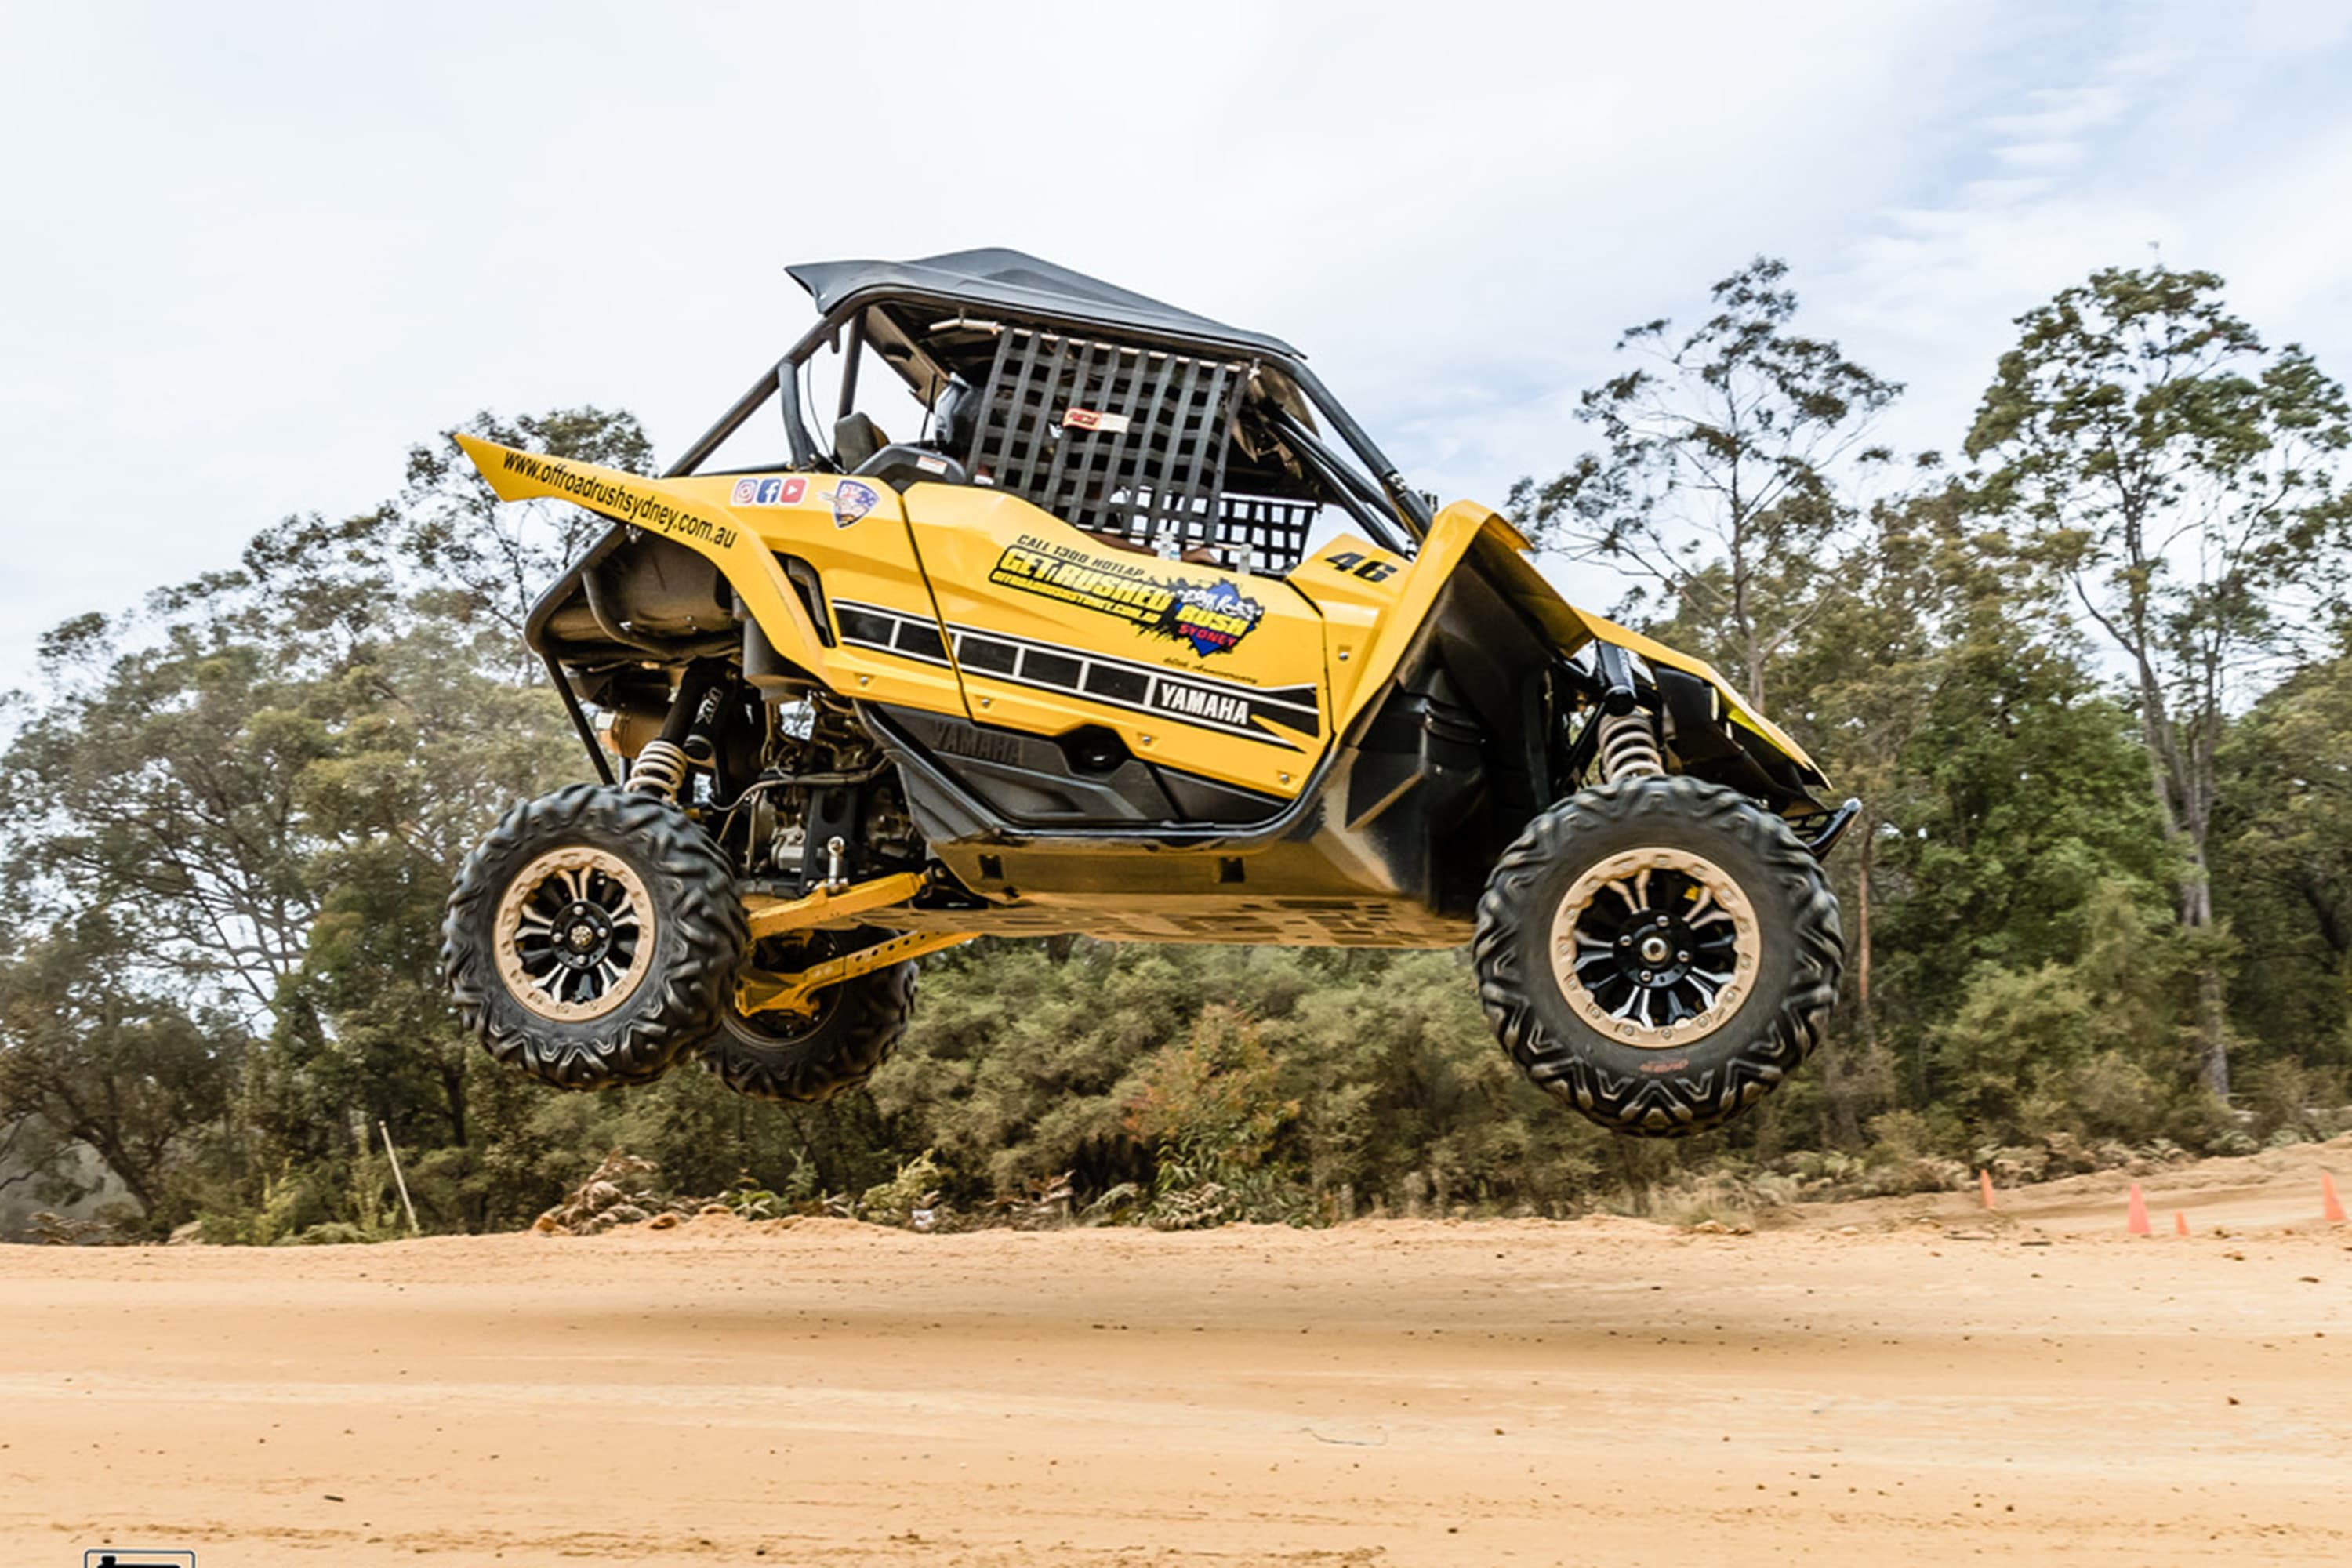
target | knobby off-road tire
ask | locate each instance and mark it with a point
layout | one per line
(802, 1061)
(1562, 909)
(593, 936)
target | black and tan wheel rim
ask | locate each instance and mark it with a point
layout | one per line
(1655, 947)
(575, 933)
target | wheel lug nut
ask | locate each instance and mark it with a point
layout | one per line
(1682, 958)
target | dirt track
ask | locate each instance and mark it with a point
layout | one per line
(1924, 1388)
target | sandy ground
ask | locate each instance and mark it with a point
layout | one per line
(1903, 1381)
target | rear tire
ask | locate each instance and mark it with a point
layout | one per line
(590, 938)
(1730, 999)
(802, 1060)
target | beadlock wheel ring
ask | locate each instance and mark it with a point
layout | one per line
(575, 935)
(1655, 947)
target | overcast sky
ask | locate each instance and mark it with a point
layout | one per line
(255, 251)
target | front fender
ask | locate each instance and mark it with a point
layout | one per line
(1466, 534)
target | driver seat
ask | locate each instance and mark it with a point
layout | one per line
(856, 440)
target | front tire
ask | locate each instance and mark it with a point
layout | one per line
(1659, 953)
(590, 938)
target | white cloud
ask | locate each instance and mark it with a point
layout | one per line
(261, 249)
(2209, 137)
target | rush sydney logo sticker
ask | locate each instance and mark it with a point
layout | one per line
(1212, 617)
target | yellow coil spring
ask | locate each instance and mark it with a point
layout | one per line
(660, 769)
(1628, 748)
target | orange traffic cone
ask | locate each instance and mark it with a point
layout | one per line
(1984, 1186)
(2137, 1222)
(2179, 1223)
(2330, 1204)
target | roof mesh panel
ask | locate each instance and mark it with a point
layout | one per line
(1129, 441)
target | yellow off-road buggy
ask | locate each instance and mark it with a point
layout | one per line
(1137, 635)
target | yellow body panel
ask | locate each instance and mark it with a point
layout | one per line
(1212, 672)
(1355, 583)
(966, 600)
(873, 584)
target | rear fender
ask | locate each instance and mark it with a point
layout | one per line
(672, 508)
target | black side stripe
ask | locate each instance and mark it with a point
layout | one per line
(1200, 700)
(889, 631)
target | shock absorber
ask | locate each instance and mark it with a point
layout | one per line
(1629, 745)
(666, 763)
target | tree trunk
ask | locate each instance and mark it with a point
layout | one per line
(1842, 1128)
(1755, 676)
(2213, 1033)
(2179, 794)
(453, 1089)
(127, 1168)
(1862, 943)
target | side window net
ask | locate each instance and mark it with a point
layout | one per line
(1130, 442)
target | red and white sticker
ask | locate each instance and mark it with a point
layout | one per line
(1094, 419)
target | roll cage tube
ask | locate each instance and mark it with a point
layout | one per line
(1407, 502)
(1365, 504)
(1393, 498)
(851, 358)
(778, 382)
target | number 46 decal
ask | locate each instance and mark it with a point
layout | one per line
(1370, 568)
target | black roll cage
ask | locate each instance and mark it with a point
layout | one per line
(1397, 517)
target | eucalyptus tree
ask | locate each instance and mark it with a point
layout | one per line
(493, 559)
(2178, 472)
(91, 1060)
(1719, 483)
(158, 775)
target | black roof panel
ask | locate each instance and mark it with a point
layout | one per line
(1012, 281)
